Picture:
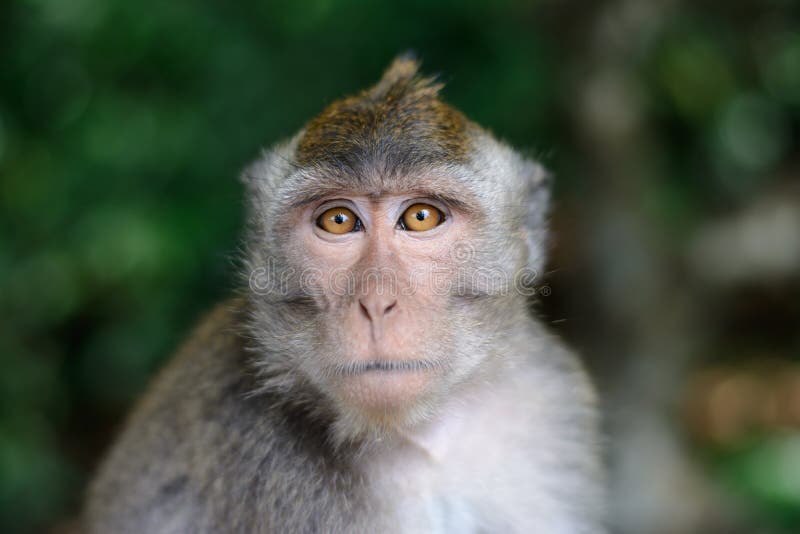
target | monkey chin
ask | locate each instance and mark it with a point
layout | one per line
(388, 399)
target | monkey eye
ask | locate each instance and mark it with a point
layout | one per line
(421, 217)
(339, 221)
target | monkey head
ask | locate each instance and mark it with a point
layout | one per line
(392, 244)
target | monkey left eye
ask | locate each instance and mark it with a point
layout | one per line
(421, 217)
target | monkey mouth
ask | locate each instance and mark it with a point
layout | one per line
(384, 388)
(384, 366)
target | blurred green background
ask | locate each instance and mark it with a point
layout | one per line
(671, 126)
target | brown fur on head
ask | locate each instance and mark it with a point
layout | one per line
(399, 121)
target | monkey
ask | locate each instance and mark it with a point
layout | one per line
(379, 368)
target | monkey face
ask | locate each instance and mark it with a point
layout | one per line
(392, 289)
(381, 272)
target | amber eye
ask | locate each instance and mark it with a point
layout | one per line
(338, 221)
(421, 217)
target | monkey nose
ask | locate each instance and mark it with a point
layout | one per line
(374, 309)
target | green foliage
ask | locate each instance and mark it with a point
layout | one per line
(123, 126)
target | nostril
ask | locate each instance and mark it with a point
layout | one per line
(364, 311)
(390, 307)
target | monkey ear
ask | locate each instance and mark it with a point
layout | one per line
(537, 198)
(263, 175)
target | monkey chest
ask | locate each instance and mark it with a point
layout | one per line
(449, 498)
(480, 485)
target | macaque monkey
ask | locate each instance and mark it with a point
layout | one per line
(380, 370)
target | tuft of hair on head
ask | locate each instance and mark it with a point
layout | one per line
(397, 123)
(402, 78)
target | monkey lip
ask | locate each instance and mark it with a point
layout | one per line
(385, 366)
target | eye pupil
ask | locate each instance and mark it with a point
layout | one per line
(422, 215)
(338, 218)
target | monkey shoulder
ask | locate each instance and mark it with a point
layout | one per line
(144, 484)
(199, 452)
(558, 434)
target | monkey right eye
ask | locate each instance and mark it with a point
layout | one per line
(339, 221)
